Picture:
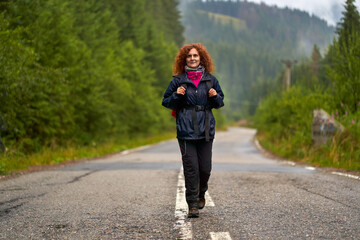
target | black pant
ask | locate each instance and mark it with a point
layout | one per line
(196, 158)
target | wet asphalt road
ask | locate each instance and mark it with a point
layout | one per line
(133, 196)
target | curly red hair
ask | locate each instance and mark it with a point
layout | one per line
(205, 58)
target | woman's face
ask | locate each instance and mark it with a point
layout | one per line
(193, 58)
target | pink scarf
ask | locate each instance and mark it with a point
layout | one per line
(195, 77)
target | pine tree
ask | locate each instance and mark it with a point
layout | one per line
(316, 57)
(344, 68)
(350, 23)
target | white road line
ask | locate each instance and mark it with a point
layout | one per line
(346, 175)
(209, 201)
(257, 144)
(125, 152)
(220, 236)
(181, 208)
(310, 168)
(290, 163)
(184, 228)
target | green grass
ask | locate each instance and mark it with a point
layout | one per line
(284, 122)
(342, 151)
(12, 161)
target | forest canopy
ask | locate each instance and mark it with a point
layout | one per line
(85, 70)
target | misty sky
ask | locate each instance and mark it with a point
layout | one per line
(330, 10)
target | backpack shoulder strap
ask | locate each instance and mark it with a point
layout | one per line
(209, 84)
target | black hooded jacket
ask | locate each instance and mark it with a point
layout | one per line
(194, 96)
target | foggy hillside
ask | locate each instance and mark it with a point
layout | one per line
(249, 40)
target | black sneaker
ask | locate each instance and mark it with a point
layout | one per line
(193, 213)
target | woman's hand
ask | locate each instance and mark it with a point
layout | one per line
(181, 90)
(212, 92)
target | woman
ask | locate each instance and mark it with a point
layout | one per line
(192, 93)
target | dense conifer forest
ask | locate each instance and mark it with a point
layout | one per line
(86, 70)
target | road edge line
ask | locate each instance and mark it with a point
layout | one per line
(346, 175)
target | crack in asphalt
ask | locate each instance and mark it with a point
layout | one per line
(82, 176)
(75, 179)
(12, 189)
(10, 201)
(7, 210)
(328, 198)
